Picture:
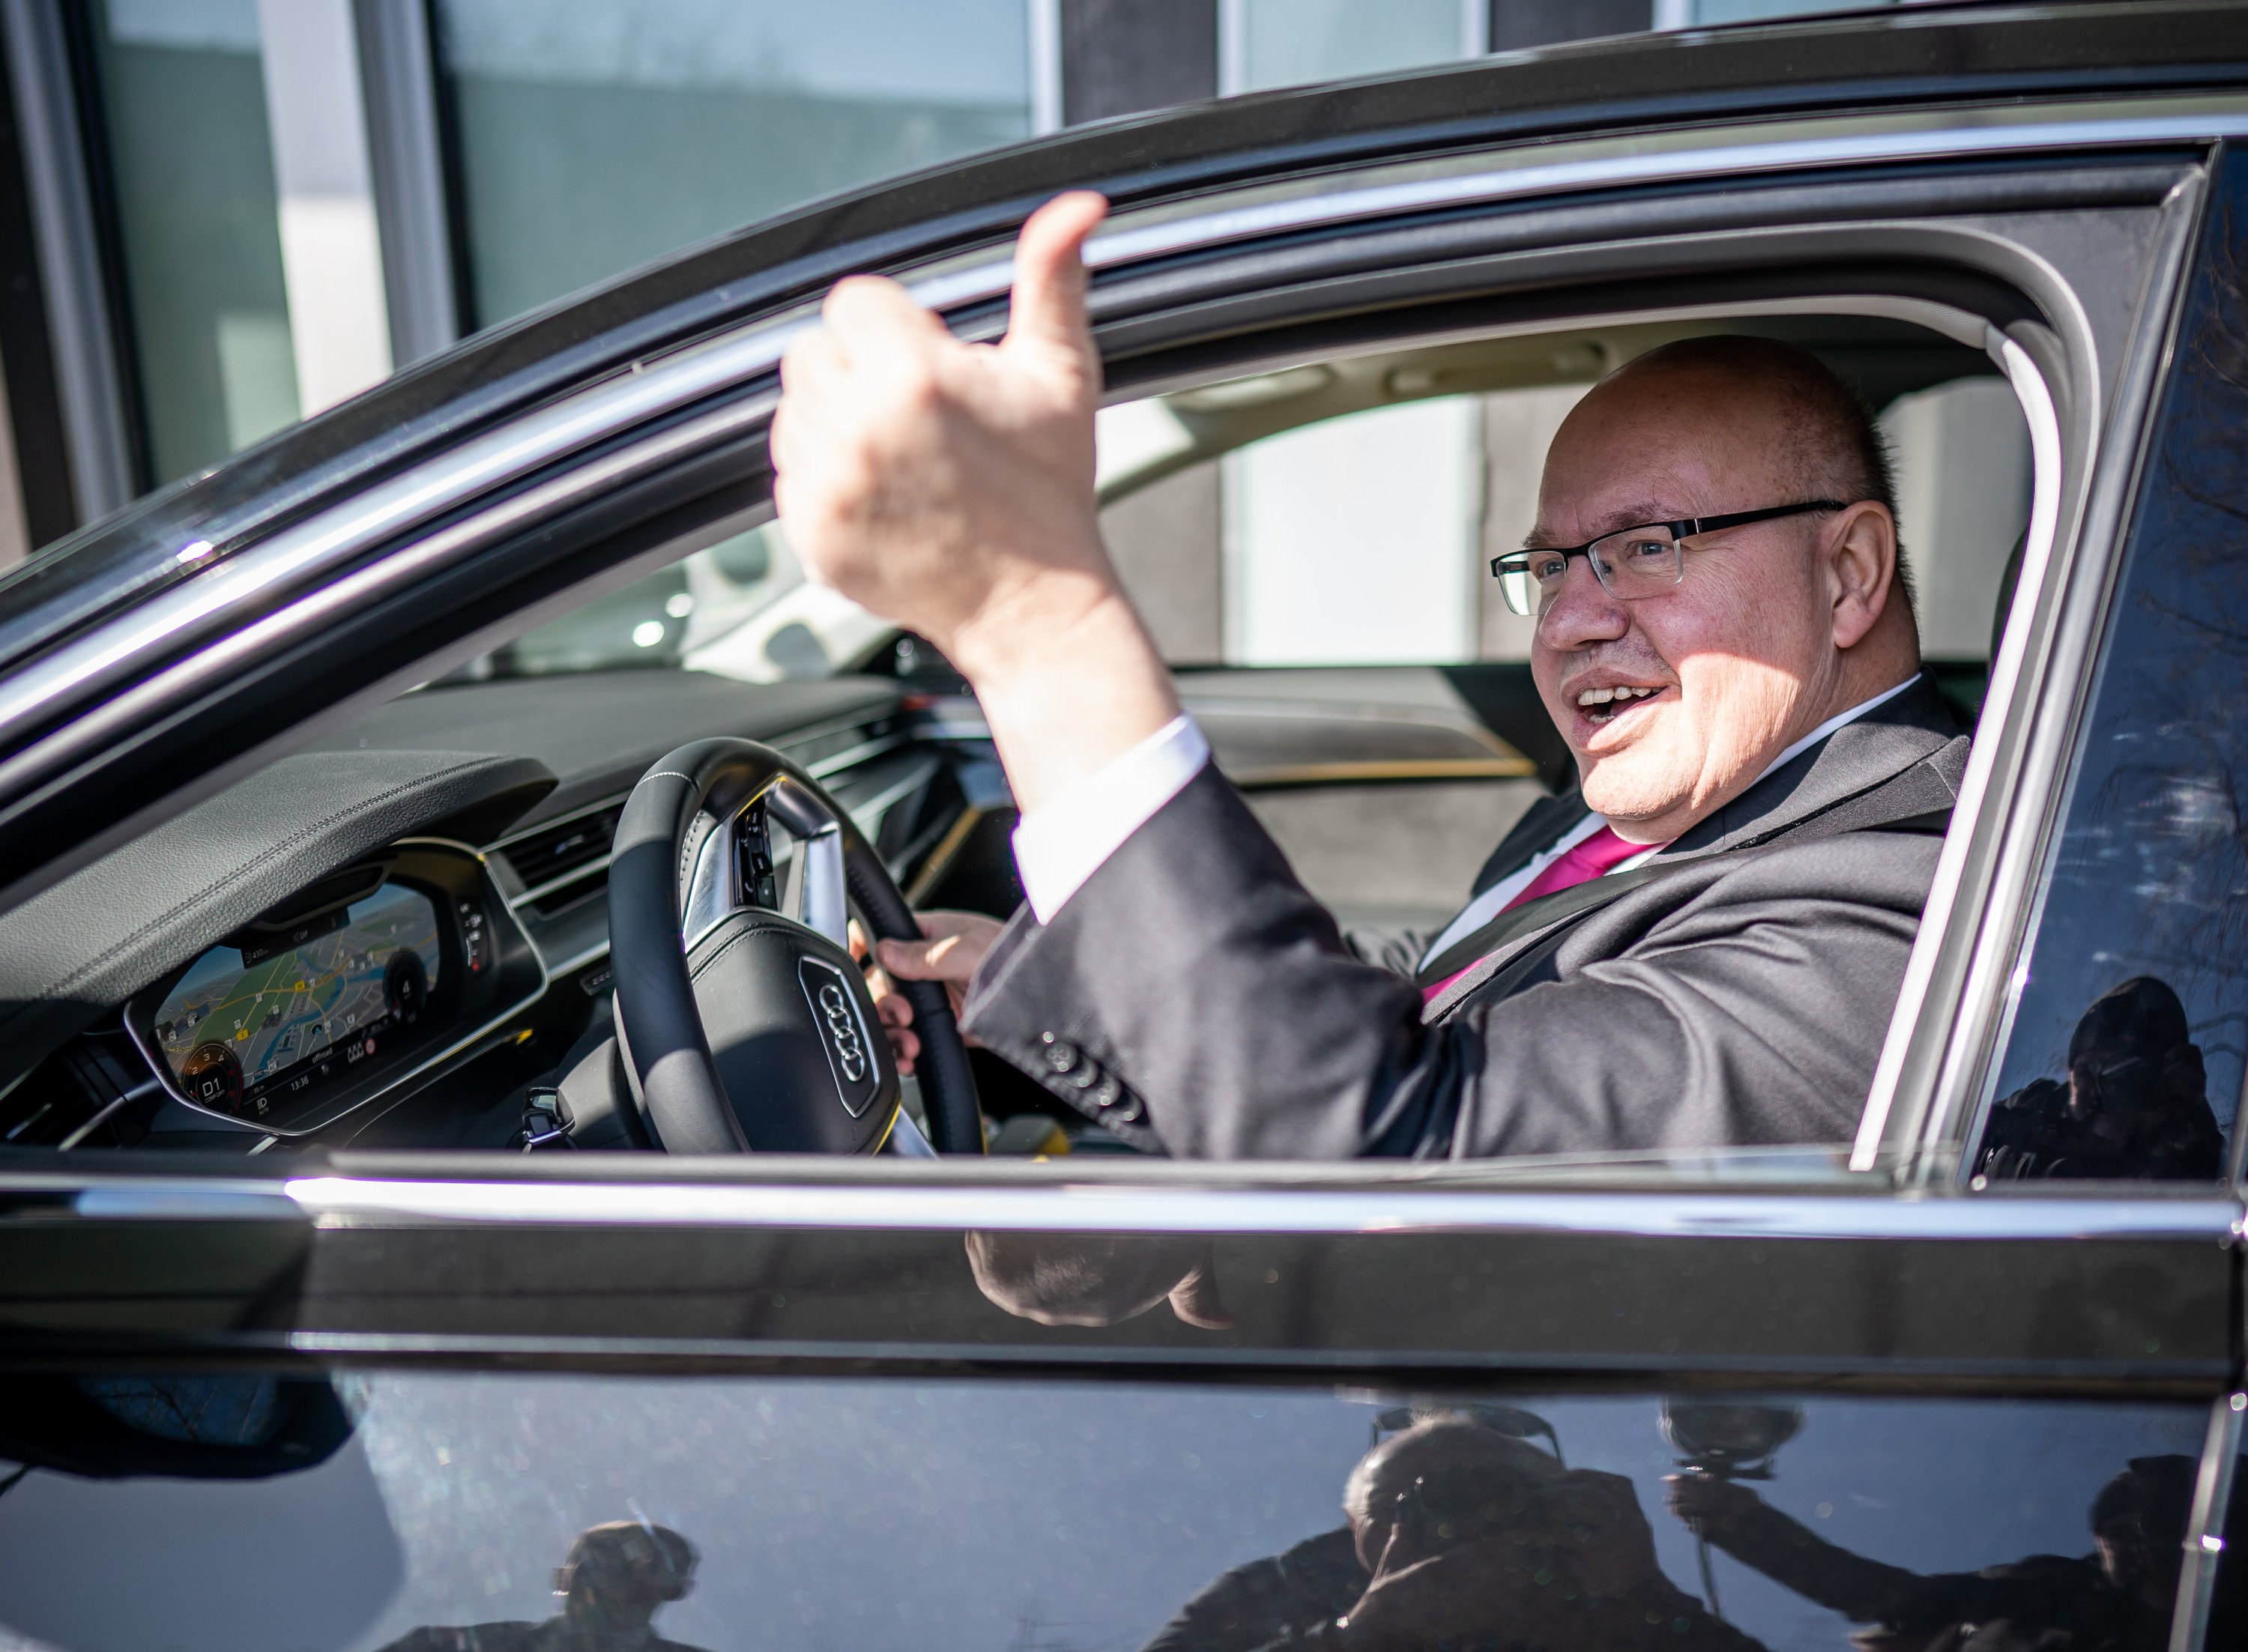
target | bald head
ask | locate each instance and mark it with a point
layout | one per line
(1455, 1478)
(1820, 432)
(1676, 703)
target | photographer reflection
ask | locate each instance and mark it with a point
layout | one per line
(1069, 1279)
(2117, 1598)
(2134, 1106)
(1458, 1534)
(616, 1577)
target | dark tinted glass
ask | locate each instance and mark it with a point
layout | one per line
(923, 1513)
(2124, 1055)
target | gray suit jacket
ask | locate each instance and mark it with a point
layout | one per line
(1733, 990)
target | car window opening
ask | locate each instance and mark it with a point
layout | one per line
(1306, 543)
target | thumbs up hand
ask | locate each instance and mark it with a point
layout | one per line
(948, 488)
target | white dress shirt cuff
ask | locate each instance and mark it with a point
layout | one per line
(1059, 847)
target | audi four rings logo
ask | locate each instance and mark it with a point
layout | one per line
(843, 1031)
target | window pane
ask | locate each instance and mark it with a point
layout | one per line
(594, 137)
(1292, 42)
(740, 609)
(1759, 10)
(2125, 1053)
(1352, 541)
(1963, 472)
(183, 98)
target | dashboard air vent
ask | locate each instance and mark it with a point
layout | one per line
(559, 850)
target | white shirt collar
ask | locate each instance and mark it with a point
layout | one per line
(1830, 725)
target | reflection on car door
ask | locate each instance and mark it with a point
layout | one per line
(515, 1511)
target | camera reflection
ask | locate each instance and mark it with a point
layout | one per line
(616, 1577)
(1459, 1534)
(2134, 1106)
(2119, 1597)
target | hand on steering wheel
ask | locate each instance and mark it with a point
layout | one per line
(745, 1028)
(953, 944)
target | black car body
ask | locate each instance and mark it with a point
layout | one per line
(328, 1364)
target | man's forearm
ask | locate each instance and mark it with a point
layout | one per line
(1068, 682)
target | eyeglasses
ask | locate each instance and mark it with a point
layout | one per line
(1631, 563)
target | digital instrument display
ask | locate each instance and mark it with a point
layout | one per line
(252, 1026)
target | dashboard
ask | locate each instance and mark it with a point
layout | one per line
(382, 941)
(341, 992)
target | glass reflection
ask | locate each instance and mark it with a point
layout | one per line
(2148, 881)
(911, 1513)
(2120, 1595)
(1091, 1279)
(1457, 1533)
(2134, 1105)
(618, 1575)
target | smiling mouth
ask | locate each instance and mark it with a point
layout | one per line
(1603, 706)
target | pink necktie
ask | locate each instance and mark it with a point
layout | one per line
(1581, 863)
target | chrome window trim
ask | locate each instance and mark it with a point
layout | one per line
(2045, 478)
(915, 1200)
(237, 583)
(2204, 1533)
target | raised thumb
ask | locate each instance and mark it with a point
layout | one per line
(1048, 313)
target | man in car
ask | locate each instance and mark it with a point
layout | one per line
(1699, 947)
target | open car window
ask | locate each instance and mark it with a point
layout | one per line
(1310, 544)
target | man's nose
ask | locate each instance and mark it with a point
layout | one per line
(1584, 612)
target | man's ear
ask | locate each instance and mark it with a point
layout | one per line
(1859, 548)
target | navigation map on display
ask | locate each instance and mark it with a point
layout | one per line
(242, 1025)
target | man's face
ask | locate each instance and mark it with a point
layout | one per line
(1728, 668)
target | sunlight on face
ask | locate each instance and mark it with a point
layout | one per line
(1674, 704)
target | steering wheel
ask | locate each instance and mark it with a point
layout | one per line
(744, 1028)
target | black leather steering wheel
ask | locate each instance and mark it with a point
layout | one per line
(745, 1029)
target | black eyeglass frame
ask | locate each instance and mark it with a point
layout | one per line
(1685, 528)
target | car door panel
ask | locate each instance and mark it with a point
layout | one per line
(959, 1511)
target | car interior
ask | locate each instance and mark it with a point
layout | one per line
(397, 937)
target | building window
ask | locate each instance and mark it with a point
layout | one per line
(1292, 42)
(594, 137)
(183, 94)
(239, 198)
